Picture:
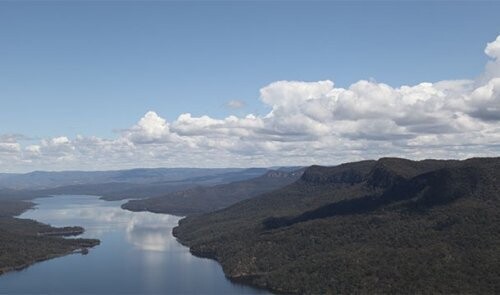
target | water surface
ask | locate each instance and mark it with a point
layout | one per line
(137, 255)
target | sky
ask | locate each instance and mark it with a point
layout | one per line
(94, 85)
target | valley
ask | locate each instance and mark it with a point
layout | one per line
(386, 225)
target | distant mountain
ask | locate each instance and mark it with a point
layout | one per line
(136, 183)
(48, 179)
(386, 226)
(202, 199)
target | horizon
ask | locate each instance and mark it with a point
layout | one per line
(99, 86)
(245, 167)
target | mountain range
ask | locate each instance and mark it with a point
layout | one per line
(120, 184)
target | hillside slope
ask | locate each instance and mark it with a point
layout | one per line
(386, 226)
(202, 199)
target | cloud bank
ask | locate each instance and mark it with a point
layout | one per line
(308, 122)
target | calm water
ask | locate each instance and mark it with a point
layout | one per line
(137, 255)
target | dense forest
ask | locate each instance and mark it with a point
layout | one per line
(386, 226)
(203, 199)
(24, 242)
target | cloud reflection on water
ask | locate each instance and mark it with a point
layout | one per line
(151, 232)
(137, 255)
(144, 230)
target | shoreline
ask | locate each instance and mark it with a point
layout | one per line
(39, 233)
(241, 280)
(23, 266)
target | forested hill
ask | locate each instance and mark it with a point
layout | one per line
(202, 199)
(24, 242)
(386, 226)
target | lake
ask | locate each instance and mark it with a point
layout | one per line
(137, 255)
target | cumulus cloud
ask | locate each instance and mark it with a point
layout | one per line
(9, 147)
(56, 141)
(493, 66)
(493, 48)
(9, 144)
(150, 128)
(308, 122)
(484, 102)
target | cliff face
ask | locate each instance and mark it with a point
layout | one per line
(391, 225)
(343, 174)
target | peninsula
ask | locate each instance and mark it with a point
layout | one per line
(24, 242)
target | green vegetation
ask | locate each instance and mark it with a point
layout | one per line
(10, 208)
(386, 226)
(24, 242)
(204, 199)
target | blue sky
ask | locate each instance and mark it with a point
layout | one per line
(96, 67)
(75, 67)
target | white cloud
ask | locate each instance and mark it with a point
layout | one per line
(484, 102)
(493, 66)
(150, 128)
(9, 147)
(33, 150)
(292, 93)
(493, 48)
(56, 141)
(308, 122)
